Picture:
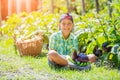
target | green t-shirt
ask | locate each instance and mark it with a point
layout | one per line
(62, 46)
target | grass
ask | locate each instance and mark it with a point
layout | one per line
(14, 67)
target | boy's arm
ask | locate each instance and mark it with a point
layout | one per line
(74, 55)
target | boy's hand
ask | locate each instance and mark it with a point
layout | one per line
(74, 56)
(69, 58)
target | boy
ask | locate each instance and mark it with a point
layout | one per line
(64, 43)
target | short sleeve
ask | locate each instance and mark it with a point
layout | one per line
(52, 42)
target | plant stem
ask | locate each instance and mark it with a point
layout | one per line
(93, 35)
(106, 36)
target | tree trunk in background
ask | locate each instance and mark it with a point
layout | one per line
(40, 5)
(23, 6)
(18, 5)
(8, 7)
(4, 10)
(14, 6)
(97, 5)
(34, 5)
(0, 13)
(11, 7)
(68, 5)
(109, 8)
(52, 6)
(28, 5)
(0, 18)
(83, 7)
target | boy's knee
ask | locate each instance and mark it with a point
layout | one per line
(51, 53)
(92, 58)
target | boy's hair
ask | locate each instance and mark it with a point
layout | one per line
(66, 16)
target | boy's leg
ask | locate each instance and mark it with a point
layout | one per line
(54, 65)
(55, 57)
(92, 58)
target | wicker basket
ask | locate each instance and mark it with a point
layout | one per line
(30, 47)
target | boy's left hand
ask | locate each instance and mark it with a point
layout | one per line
(69, 58)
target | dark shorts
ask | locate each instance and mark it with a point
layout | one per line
(54, 65)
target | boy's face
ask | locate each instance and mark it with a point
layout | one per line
(66, 26)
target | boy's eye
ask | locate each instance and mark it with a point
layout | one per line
(63, 24)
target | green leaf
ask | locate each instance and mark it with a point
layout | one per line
(115, 49)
